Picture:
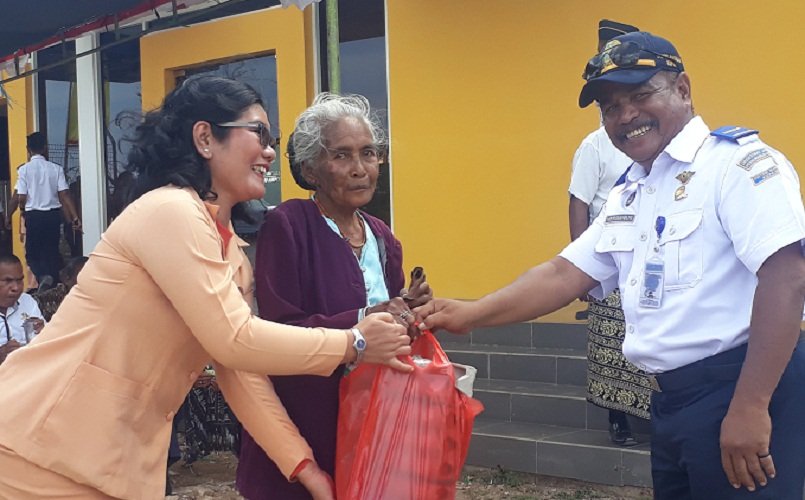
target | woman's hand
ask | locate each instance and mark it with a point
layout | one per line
(385, 340)
(419, 293)
(317, 482)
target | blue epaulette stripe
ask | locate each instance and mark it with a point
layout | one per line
(733, 133)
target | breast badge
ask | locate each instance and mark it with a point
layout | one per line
(684, 178)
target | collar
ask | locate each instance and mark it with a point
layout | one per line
(11, 310)
(37, 156)
(688, 141)
(212, 209)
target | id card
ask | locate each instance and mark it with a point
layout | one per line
(653, 281)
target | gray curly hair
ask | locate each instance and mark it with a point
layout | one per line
(307, 141)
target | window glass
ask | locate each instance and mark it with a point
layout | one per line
(121, 104)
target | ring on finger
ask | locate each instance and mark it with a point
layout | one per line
(405, 315)
(761, 457)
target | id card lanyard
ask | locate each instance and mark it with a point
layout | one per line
(654, 272)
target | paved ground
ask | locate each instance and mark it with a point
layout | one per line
(213, 479)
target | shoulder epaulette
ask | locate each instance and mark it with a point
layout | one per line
(733, 133)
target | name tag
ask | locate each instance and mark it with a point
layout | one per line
(619, 219)
(653, 281)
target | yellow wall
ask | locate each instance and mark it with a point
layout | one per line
(20, 124)
(275, 30)
(485, 120)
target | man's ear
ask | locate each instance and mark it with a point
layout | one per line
(682, 85)
(202, 139)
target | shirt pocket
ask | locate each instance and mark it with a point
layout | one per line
(96, 412)
(683, 249)
(618, 241)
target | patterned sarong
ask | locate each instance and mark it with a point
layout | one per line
(612, 381)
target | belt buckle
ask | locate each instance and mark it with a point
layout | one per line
(653, 383)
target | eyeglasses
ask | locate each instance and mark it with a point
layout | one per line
(266, 139)
(369, 155)
(626, 55)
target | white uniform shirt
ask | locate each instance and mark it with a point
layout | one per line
(26, 307)
(741, 204)
(597, 165)
(41, 180)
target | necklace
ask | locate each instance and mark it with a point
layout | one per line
(354, 246)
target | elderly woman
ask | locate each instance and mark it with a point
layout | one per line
(88, 405)
(324, 262)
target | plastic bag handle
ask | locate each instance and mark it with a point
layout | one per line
(438, 353)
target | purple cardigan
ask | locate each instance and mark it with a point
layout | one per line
(307, 275)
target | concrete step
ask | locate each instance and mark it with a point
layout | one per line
(559, 451)
(539, 403)
(532, 334)
(530, 364)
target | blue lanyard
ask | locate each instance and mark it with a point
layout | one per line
(659, 226)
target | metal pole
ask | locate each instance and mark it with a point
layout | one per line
(333, 51)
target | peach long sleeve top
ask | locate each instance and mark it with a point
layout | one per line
(94, 395)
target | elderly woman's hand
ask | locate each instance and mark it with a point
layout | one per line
(399, 310)
(419, 293)
(385, 340)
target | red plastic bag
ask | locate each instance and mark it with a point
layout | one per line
(403, 435)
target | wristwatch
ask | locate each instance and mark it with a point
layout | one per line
(359, 344)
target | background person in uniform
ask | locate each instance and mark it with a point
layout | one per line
(16, 307)
(716, 220)
(42, 192)
(324, 262)
(612, 382)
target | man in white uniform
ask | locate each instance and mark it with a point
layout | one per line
(704, 238)
(16, 308)
(42, 191)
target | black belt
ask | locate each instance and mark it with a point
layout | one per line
(724, 366)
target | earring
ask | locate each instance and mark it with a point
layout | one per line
(206, 150)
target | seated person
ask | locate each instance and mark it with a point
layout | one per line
(16, 308)
(50, 299)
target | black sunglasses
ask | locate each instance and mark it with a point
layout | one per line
(266, 139)
(623, 56)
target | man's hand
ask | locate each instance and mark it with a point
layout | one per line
(745, 437)
(7, 348)
(317, 482)
(446, 314)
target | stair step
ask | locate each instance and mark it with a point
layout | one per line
(534, 334)
(539, 403)
(561, 451)
(555, 366)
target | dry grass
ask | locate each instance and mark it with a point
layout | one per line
(213, 478)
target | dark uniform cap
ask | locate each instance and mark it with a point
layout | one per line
(607, 30)
(651, 54)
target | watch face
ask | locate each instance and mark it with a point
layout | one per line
(360, 344)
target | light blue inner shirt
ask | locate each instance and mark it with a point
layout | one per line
(369, 262)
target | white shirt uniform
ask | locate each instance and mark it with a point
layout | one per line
(11, 326)
(728, 206)
(41, 180)
(597, 165)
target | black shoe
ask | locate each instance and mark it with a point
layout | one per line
(621, 435)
